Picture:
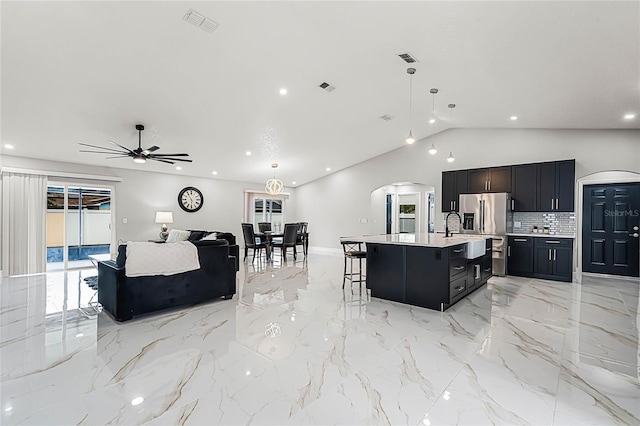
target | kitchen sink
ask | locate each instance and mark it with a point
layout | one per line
(475, 247)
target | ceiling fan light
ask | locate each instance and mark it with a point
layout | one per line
(139, 159)
(433, 150)
(451, 158)
(410, 139)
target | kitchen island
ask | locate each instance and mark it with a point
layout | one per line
(427, 270)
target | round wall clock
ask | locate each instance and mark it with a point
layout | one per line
(190, 199)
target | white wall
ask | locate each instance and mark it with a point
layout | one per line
(334, 205)
(142, 193)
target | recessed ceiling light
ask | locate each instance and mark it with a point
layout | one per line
(247, 153)
(513, 118)
(137, 401)
(214, 172)
(178, 168)
(293, 183)
(8, 146)
(283, 91)
(328, 169)
(626, 117)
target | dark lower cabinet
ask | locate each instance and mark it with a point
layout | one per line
(386, 272)
(540, 257)
(520, 256)
(553, 259)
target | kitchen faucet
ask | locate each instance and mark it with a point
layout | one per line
(446, 223)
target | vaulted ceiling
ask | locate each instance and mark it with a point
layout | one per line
(88, 71)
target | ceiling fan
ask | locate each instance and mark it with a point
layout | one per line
(139, 155)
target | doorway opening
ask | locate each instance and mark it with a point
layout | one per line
(404, 208)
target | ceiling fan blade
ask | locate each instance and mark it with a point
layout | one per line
(105, 152)
(155, 157)
(118, 156)
(171, 155)
(123, 147)
(101, 147)
(153, 148)
(162, 160)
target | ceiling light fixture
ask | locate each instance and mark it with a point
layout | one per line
(274, 186)
(283, 91)
(411, 71)
(626, 117)
(432, 149)
(293, 183)
(178, 168)
(8, 146)
(513, 118)
(451, 158)
(139, 159)
(328, 169)
(433, 118)
(214, 172)
(248, 153)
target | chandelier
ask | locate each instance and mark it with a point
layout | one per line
(274, 186)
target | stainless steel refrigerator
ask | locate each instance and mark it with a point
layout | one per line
(488, 214)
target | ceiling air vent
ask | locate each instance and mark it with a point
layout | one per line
(386, 117)
(326, 86)
(201, 21)
(408, 58)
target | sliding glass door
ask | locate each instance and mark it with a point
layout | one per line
(79, 224)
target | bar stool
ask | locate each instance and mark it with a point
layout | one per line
(353, 251)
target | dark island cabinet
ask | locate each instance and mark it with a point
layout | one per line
(520, 256)
(453, 184)
(493, 179)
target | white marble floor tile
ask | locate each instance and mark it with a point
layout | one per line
(293, 348)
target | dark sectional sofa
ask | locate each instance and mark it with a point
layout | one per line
(125, 297)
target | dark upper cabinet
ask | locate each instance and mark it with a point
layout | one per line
(494, 179)
(523, 188)
(556, 186)
(453, 184)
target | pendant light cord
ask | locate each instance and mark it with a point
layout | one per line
(410, 99)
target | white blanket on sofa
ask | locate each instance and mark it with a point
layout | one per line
(160, 259)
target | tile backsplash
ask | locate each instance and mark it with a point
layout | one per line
(558, 223)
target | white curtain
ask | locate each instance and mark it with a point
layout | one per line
(24, 218)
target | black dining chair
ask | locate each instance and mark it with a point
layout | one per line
(250, 241)
(288, 240)
(264, 226)
(302, 236)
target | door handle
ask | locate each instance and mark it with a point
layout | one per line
(635, 234)
(454, 206)
(552, 204)
(635, 228)
(520, 239)
(489, 185)
(552, 242)
(459, 268)
(509, 251)
(554, 254)
(459, 288)
(486, 185)
(450, 206)
(549, 254)
(557, 204)
(477, 271)
(512, 204)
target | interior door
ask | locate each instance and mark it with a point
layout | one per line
(610, 229)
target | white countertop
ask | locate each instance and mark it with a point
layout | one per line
(422, 239)
(540, 235)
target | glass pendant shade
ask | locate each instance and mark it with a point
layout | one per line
(433, 150)
(410, 139)
(139, 159)
(451, 158)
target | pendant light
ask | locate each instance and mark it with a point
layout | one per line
(451, 107)
(274, 186)
(411, 71)
(433, 118)
(451, 158)
(432, 149)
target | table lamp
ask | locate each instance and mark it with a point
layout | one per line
(164, 218)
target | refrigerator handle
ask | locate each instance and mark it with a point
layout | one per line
(481, 215)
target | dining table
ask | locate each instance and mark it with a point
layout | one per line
(267, 238)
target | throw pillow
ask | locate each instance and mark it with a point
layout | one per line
(177, 235)
(197, 235)
(211, 236)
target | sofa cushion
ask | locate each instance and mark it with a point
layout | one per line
(196, 235)
(211, 236)
(177, 235)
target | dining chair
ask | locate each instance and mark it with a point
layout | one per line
(264, 226)
(288, 240)
(302, 236)
(250, 241)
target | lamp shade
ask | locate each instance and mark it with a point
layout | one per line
(164, 217)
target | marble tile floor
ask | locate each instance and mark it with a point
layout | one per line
(291, 348)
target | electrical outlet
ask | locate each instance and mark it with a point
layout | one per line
(124, 220)
(517, 224)
(364, 220)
